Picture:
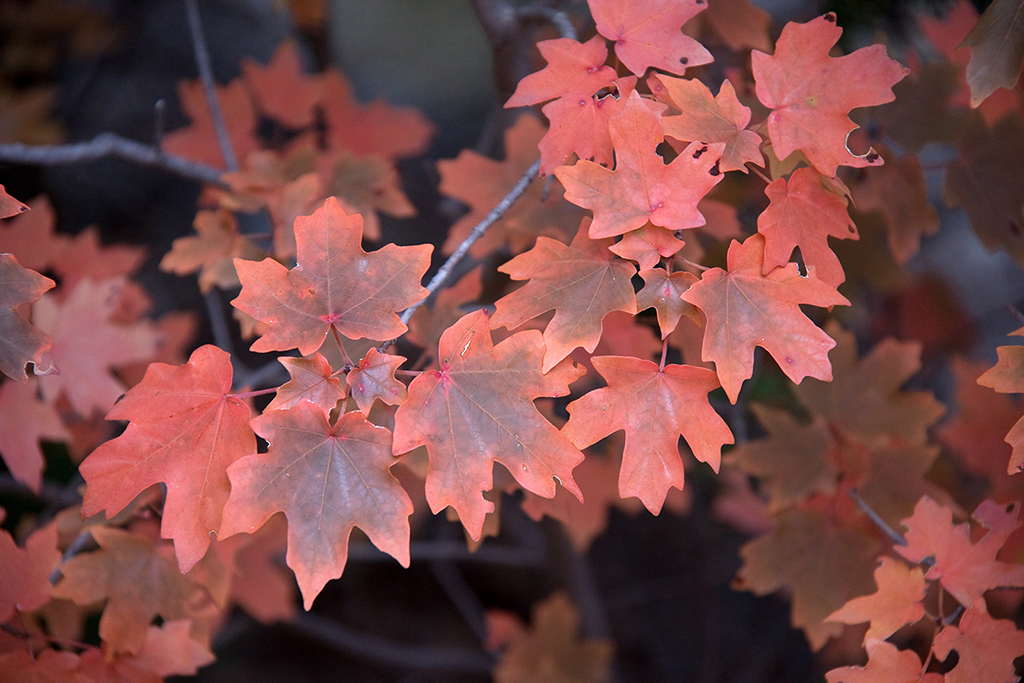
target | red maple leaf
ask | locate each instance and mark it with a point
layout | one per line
(29, 236)
(326, 479)
(199, 140)
(986, 646)
(24, 419)
(574, 70)
(374, 378)
(655, 407)
(642, 187)
(896, 602)
(965, 569)
(799, 83)
(9, 206)
(477, 409)
(707, 118)
(886, 664)
(26, 571)
(283, 90)
(313, 380)
(583, 282)
(746, 308)
(647, 33)
(1007, 377)
(185, 429)
(663, 292)
(336, 285)
(20, 343)
(805, 213)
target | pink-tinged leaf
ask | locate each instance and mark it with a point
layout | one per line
(374, 378)
(336, 285)
(185, 430)
(647, 33)
(24, 420)
(664, 293)
(897, 601)
(746, 308)
(311, 380)
(583, 282)
(654, 407)
(574, 70)
(809, 112)
(20, 342)
(26, 571)
(477, 409)
(326, 479)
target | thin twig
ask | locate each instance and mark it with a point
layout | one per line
(202, 54)
(893, 535)
(110, 145)
(497, 212)
(374, 648)
(558, 19)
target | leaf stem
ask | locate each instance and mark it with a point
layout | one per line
(664, 354)
(258, 392)
(692, 264)
(893, 535)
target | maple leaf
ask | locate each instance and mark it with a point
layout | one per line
(579, 125)
(987, 648)
(574, 70)
(211, 252)
(823, 563)
(477, 408)
(763, 310)
(865, 396)
(335, 286)
(168, 650)
(20, 342)
(965, 569)
(429, 322)
(83, 256)
(1007, 377)
(373, 378)
(30, 237)
(375, 128)
(804, 213)
(583, 282)
(739, 23)
(185, 429)
(282, 89)
(900, 192)
(997, 47)
(655, 407)
(886, 664)
(48, 666)
(663, 292)
(707, 118)
(551, 650)
(199, 140)
(138, 582)
(87, 345)
(642, 187)
(481, 183)
(647, 245)
(897, 601)
(24, 420)
(793, 462)
(26, 571)
(366, 185)
(809, 113)
(984, 180)
(262, 585)
(326, 479)
(647, 33)
(9, 206)
(313, 380)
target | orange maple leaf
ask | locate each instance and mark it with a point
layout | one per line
(335, 286)
(655, 406)
(282, 89)
(24, 420)
(809, 113)
(185, 430)
(965, 569)
(886, 664)
(647, 33)
(804, 212)
(326, 479)
(574, 70)
(986, 646)
(477, 408)
(313, 380)
(373, 378)
(897, 601)
(26, 571)
(746, 308)
(1007, 377)
(642, 187)
(199, 140)
(583, 282)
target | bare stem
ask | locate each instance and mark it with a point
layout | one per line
(893, 535)
(202, 54)
(497, 212)
(258, 392)
(110, 145)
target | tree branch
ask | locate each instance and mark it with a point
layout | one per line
(195, 27)
(110, 145)
(893, 535)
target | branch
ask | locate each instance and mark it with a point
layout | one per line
(893, 535)
(497, 212)
(107, 145)
(202, 54)
(557, 18)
